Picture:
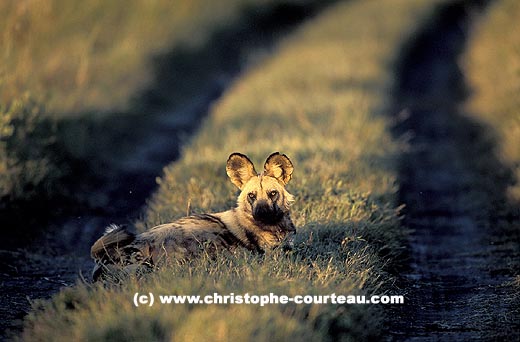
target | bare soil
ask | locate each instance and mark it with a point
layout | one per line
(464, 250)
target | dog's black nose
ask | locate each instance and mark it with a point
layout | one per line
(265, 213)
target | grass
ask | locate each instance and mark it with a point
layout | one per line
(23, 169)
(492, 65)
(322, 99)
(95, 56)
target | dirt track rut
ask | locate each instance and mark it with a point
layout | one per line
(452, 185)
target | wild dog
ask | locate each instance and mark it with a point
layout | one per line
(260, 221)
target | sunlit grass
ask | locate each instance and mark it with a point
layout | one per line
(322, 99)
(86, 56)
(492, 64)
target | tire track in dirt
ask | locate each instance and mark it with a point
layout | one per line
(452, 185)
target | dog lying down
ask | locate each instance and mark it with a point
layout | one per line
(260, 221)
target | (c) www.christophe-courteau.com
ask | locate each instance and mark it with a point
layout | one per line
(149, 299)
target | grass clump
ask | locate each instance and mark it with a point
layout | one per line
(29, 164)
(322, 100)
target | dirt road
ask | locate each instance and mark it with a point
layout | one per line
(461, 260)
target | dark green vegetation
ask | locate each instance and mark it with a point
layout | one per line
(27, 146)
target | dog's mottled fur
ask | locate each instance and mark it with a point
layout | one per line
(260, 222)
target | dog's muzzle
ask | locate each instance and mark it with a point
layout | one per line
(266, 214)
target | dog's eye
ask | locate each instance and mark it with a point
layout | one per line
(273, 193)
(251, 195)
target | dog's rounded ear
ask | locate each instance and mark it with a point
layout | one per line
(240, 169)
(280, 167)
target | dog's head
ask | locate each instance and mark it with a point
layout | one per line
(263, 195)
